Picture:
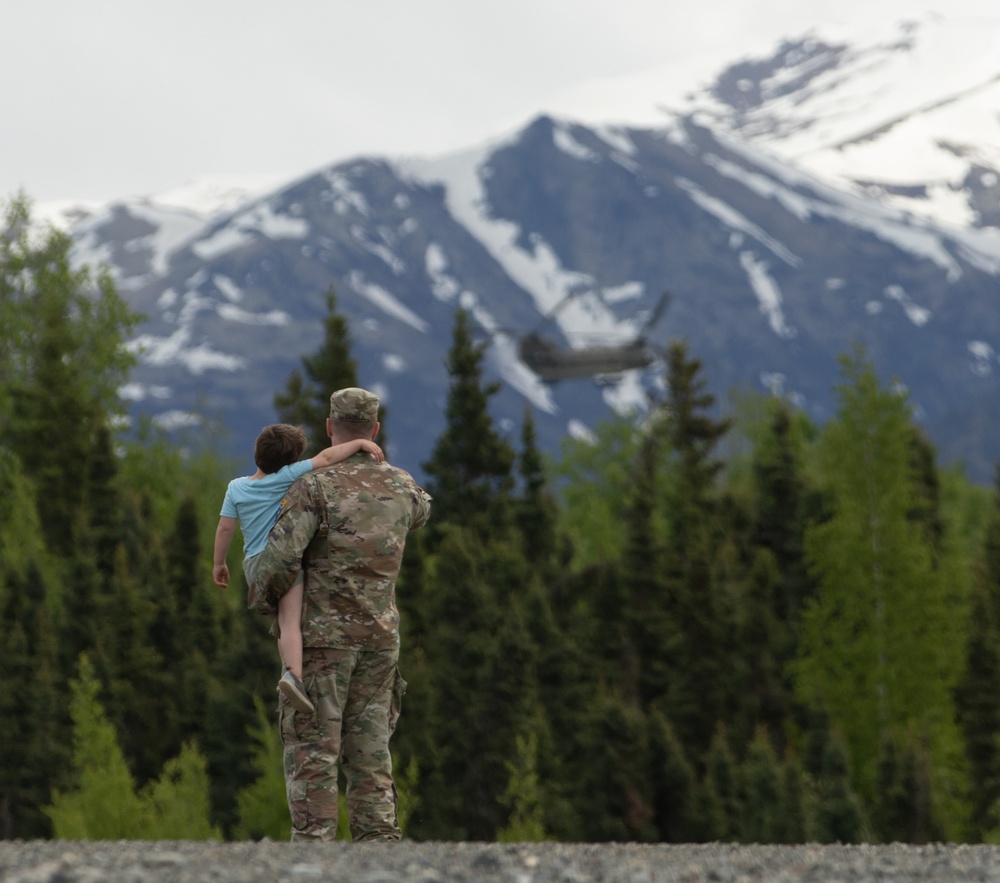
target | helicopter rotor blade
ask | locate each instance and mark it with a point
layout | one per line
(654, 316)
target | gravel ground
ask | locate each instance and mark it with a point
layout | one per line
(47, 861)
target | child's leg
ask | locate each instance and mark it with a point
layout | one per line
(290, 626)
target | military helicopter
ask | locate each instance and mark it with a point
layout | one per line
(553, 363)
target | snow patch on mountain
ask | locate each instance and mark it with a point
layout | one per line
(564, 140)
(768, 293)
(905, 113)
(385, 301)
(382, 251)
(444, 286)
(917, 315)
(343, 197)
(177, 349)
(913, 235)
(733, 219)
(258, 220)
(537, 270)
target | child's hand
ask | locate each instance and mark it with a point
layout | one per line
(373, 449)
(220, 574)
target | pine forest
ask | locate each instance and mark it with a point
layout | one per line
(688, 627)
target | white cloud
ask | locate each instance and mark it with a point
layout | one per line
(132, 91)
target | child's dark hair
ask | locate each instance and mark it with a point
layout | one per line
(278, 445)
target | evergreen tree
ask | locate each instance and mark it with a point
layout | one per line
(722, 783)
(879, 643)
(839, 817)
(32, 709)
(470, 471)
(766, 699)
(784, 503)
(672, 781)
(178, 801)
(977, 703)
(523, 795)
(652, 642)
(536, 510)
(794, 825)
(306, 399)
(104, 804)
(614, 781)
(904, 806)
(463, 616)
(261, 805)
(697, 696)
(762, 809)
(132, 669)
(63, 363)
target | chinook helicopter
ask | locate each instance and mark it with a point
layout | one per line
(553, 363)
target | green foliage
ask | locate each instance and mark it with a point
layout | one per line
(262, 807)
(407, 791)
(879, 642)
(64, 358)
(523, 795)
(470, 470)
(104, 805)
(644, 655)
(306, 400)
(178, 800)
(595, 477)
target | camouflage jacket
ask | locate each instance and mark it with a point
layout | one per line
(345, 527)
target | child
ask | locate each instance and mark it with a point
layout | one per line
(254, 502)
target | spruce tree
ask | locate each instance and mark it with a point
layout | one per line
(470, 470)
(977, 703)
(64, 361)
(762, 808)
(839, 815)
(463, 616)
(306, 399)
(103, 805)
(697, 695)
(722, 782)
(783, 504)
(652, 644)
(672, 782)
(536, 507)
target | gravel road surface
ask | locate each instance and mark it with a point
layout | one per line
(45, 861)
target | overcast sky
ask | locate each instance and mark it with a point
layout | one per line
(113, 98)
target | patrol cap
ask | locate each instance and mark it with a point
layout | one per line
(354, 404)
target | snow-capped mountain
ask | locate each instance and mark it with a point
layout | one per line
(770, 208)
(911, 117)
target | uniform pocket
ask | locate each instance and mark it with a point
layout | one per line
(396, 703)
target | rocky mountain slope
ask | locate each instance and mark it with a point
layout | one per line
(771, 208)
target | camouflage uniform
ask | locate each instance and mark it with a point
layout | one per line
(345, 527)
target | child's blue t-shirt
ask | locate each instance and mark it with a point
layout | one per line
(255, 503)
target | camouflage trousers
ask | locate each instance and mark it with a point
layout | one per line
(357, 695)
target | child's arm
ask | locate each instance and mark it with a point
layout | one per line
(223, 537)
(336, 453)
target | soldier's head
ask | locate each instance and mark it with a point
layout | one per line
(353, 414)
(278, 445)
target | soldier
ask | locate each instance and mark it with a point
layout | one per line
(345, 528)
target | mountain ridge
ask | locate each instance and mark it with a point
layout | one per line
(776, 267)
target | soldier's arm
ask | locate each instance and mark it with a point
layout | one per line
(281, 559)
